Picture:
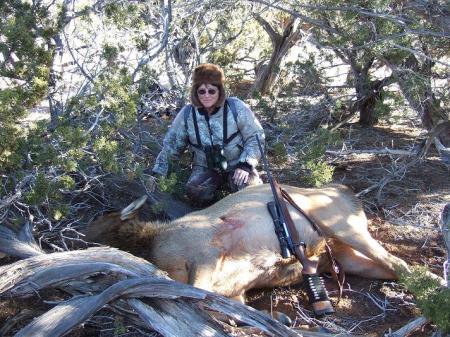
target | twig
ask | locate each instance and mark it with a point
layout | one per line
(386, 151)
(97, 117)
(383, 182)
(307, 333)
(5, 202)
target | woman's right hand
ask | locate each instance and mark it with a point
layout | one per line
(240, 176)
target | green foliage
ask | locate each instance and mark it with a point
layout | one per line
(279, 153)
(319, 173)
(110, 53)
(222, 57)
(170, 184)
(239, 37)
(107, 151)
(303, 75)
(312, 157)
(317, 143)
(48, 189)
(381, 109)
(266, 106)
(26, 53)
(415, 84)
(40, 191)
(174, 183)
(432, 298)
(117, 96)
(125, 15)
(71, 136)
(66, 182)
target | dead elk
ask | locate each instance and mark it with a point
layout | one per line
(231, 247)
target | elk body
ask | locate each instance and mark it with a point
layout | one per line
(231, 247)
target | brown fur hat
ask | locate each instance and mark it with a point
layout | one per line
(207, 73)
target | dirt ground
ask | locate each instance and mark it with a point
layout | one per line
(403, 216)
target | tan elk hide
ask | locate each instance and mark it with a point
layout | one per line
(231, 247)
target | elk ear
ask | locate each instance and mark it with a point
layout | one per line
(129, 212)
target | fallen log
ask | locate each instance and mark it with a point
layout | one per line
(161, 304)
(409, 328)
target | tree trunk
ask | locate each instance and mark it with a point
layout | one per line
(367, 93)
(266, 75)
(365, 100)
(420, 95)
(55, 105)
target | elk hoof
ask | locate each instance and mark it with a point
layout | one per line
(317, 295)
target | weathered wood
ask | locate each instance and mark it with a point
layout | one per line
(20, 244)
(445, 220)
(67, 315)
(408, 328)
(172, 308)
(37, 272)
(174, 319)
(308, 333)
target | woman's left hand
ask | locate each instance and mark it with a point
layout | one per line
(240, 176)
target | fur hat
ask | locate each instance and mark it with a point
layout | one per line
(207, 73)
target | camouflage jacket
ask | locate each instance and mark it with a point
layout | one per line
(241, 148)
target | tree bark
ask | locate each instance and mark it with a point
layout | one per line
(368, 92)
(266, 75)
(421, 99)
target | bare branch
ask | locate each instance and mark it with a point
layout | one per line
(166, 15)
(421, 54)
(267, 27)
(305, 18)
(385, 151)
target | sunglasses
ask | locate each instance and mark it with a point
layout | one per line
(202, 92)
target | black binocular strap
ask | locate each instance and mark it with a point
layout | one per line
(225, 137)
(197, 132)
(225, 122)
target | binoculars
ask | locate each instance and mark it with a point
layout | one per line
(215, 158)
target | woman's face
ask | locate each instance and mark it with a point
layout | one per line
(208, 95)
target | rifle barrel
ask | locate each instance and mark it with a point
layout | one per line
(266, 168)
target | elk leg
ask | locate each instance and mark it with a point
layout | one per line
(356, 263)
(369, 247)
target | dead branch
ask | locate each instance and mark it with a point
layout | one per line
(101, 277)
(397, 173)
(433, 136)
(307, 333)
(21, 245)
(7, 201)
(445, 219)
(25, 276)
(385, 151)
(408, 328)
(401, 170)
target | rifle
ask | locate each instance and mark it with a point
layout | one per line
(289, 240)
